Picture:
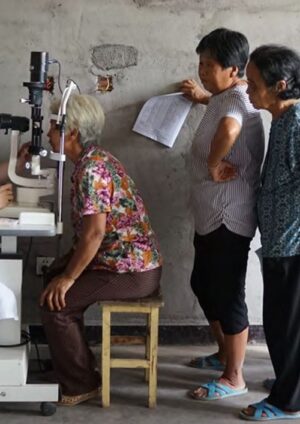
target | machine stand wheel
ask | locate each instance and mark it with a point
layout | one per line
(47, 408)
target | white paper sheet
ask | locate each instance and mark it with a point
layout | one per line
(162, 117)
(8, 303)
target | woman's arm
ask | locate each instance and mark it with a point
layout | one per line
(3, 172)
(93, 232)
(226, 135)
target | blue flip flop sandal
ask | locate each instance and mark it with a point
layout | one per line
(217, 391)
(210, 362)
(271, 413)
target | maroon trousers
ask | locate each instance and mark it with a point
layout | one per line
(73, 361)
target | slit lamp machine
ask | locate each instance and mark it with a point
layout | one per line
(29, 216)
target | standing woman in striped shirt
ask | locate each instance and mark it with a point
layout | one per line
(225, 167)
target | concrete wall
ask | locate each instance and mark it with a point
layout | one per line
(160, 38)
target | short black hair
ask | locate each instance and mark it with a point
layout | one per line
(276, 63)
(228, 48)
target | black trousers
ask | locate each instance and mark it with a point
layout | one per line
(218, 278)
(281, 316)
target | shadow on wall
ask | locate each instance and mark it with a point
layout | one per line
(161, 176)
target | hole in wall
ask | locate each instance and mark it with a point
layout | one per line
(105, 83)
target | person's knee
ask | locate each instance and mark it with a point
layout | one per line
(48, 317)
(232, 330)
(234, 322)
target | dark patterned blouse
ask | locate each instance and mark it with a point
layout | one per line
(279, 197)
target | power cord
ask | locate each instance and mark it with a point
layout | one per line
(25, 336)
(26, 259)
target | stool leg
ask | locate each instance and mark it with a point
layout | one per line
(147, 346)
(153, 357)
(105, 358)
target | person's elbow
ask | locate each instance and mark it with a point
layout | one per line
(94, 237)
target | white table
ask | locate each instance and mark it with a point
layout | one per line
(14, 360)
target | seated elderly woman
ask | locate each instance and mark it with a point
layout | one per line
(115, 253)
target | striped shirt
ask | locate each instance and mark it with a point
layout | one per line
(231, 203)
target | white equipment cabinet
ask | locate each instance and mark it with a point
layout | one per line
(14, 360)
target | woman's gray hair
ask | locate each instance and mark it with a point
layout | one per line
(85, 114)
(276, 63)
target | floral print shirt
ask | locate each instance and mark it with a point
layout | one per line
(100, 184)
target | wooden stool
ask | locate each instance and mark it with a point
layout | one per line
(149, 306)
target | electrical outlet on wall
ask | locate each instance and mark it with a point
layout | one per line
(43, 262)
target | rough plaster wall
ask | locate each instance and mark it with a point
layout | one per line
(114, 56)
(164, 35)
